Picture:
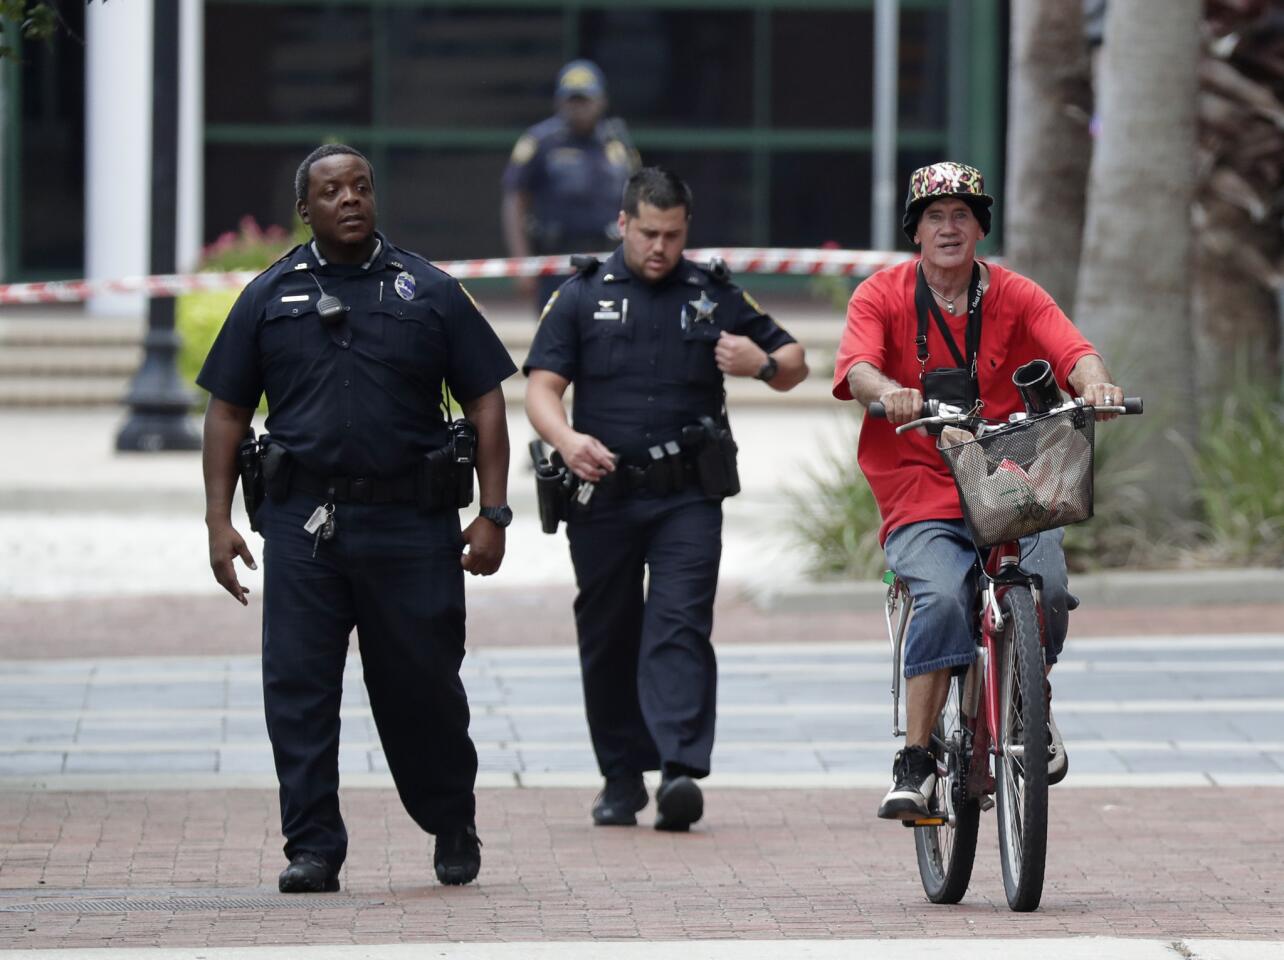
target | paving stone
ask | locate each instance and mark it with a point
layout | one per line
(29, 764)
(188, 761)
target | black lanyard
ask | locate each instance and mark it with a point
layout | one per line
(925, 303)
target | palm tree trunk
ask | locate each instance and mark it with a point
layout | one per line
(1049, 148)
(1134, 293)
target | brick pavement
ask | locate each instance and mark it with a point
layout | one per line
(1164, 864)
(212, 623)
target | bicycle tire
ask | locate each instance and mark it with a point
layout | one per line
(1021, 774)
(945, 853)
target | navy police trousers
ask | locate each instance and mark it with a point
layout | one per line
(394, 574)
(649, 672)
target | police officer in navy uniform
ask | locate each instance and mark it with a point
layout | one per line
(351, 338)
(563, 181)
(647, 337)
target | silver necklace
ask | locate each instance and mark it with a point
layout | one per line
(949, 301)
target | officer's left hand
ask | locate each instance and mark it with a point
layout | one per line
(485, 543)
(738, 356)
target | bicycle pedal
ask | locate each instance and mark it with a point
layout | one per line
(925, 822)
(987, 803)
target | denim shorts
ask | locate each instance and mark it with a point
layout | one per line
(937, 561)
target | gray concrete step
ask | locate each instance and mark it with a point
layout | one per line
(63, 357)
(70, 360)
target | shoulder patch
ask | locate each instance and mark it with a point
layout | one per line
(752, 302)
(524, 149)
(549, 306)
(471, 298)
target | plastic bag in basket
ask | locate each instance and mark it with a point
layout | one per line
(1059, 469)
(1009, 491)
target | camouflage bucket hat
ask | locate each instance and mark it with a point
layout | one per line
(946, 179)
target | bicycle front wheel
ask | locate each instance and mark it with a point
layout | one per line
(1022, 771)
(946, 853)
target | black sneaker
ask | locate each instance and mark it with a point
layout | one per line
(620, 800)
(678, 804)
(308, 873)
(914, 780)
(457, 856)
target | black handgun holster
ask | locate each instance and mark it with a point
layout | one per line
(250, 466)
(715, 453)
(445, 476)
(553, 486)
(276, 470)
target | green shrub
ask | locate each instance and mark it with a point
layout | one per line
(200, 316)
(836, 518)
(1238, 468)
(1119, 533)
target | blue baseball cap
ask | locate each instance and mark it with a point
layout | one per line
(580, 78)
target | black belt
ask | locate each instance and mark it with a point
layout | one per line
(354, 489)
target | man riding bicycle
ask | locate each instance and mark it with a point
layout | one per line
(899, 348)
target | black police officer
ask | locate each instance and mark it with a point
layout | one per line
(563, 181)
(350, 338)
(647, 338)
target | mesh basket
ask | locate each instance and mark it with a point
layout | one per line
(1032, 476)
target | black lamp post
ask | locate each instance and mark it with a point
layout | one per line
(158, 400)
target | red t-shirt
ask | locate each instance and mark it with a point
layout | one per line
(1019, 323)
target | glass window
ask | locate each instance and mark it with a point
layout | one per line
(819, 198)
(924, 69)
(675, 68)
(442, 204)
(287, 64)
(250, 181)
(471, 67)
(722, 189)
(822, 68)
(51, 159)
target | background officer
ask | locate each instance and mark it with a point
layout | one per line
(563, 181)
(351, 338)
(647, 337)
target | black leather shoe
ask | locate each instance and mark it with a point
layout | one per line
(620, 800)
(457, 856)
(308, 873)
(678, 804)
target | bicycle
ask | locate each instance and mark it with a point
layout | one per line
(999, 709)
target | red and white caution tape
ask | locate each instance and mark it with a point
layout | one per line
(741, 260)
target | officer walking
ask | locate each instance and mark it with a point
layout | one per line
(563, 181)
(647, 337)
(351, 340)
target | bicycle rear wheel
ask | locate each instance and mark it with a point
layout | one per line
(946, 853)
(1022, 769)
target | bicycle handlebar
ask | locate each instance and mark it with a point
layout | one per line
(932, 412)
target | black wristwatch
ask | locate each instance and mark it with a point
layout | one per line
(500, 516)
(768, 370)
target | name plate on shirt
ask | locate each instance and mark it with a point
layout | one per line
(606, 310)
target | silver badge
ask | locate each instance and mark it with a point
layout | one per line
(405, 285)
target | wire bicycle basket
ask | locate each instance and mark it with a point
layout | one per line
(1026, 477)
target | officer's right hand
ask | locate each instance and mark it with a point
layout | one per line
(588, 457)
(225, 546)
(902, 404)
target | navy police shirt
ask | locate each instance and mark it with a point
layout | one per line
(575, 183)
(641, 354)
(361, 396)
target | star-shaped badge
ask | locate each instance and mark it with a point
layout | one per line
(704, 308)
